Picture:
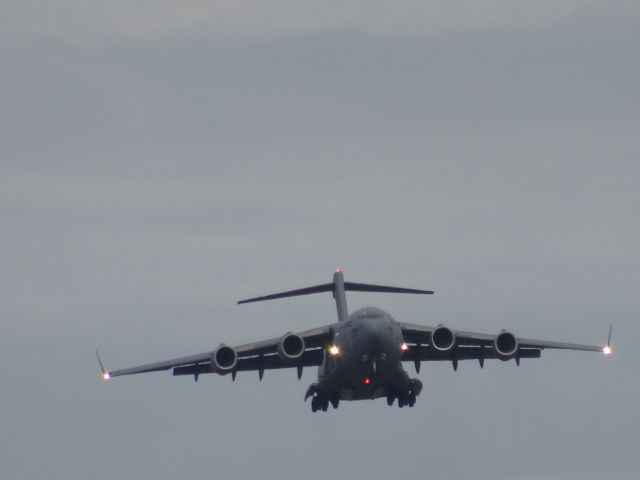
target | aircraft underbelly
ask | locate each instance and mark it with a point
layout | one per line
(358, 382)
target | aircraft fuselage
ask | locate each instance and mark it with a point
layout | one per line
(367, 364)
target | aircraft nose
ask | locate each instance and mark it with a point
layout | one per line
(378, 335)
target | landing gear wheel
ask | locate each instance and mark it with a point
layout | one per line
(415, 386)
(404, 399)
(390, 399)
(335, 401)
(412, 399)
(324, 403)
(315, 404)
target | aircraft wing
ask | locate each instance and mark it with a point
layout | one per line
(463, 345)
(258, 356)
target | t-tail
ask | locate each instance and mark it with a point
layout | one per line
(339, 288)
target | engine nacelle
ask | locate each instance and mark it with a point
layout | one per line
(291, 347)
(224, 359)
(506, 345)
(443, 339)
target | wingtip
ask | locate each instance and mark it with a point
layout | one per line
(104, 372)
(607, 348)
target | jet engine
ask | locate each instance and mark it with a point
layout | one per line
(224, 359)
(291, 347)
(506, 345)
(443, 339)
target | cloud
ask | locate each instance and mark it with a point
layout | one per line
(81, 22)
(161, 160)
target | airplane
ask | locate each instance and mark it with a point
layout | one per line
(359, 357)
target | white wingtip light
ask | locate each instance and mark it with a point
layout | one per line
(607, 348)
(105, 373)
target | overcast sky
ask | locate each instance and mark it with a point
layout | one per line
(160, 160)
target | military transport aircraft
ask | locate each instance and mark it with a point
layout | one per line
(359, 357)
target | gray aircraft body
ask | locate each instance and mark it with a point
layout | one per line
(359, 357)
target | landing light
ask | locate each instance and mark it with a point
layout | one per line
(106, 375)
(334, 350)
(607, 350)
(404, 347)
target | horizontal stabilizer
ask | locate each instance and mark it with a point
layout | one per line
(366, 287)
(329, 287)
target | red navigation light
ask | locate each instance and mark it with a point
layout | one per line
(367, 380)
(338, 270)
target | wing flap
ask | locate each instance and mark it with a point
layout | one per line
(310, 358)
(164, 365)
(427, 354)
(527, 342)
(415, 333)
(314, 338)
(421, 334)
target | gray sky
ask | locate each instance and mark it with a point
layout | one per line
(159, 161)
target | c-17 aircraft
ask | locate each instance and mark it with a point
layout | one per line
(359, 357)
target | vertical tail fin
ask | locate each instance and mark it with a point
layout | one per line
(340, 295)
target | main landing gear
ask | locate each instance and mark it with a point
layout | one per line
(321, 401)
(406, 397)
